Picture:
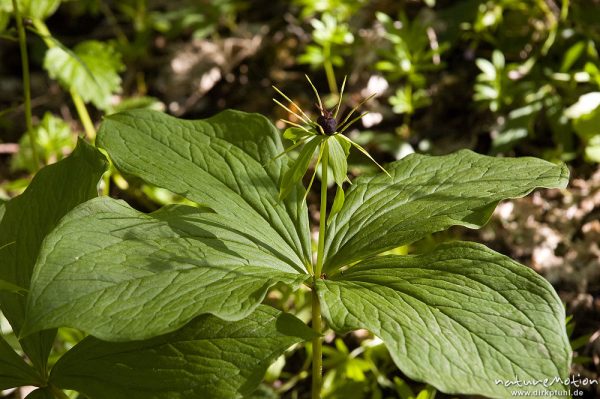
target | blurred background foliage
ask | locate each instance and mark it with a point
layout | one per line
(501, 77)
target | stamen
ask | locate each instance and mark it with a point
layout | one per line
(295, 125)
(290, 111)
(315, 90)
(347, 125)
(293, 103)
(355, 108)
(337, 108)
(359, 147)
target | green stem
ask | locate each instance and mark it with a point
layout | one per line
(564, 11)
(84, 116)
(26, 82)
(43, 32)
(317, 344)
(329, 70)
(322, 210)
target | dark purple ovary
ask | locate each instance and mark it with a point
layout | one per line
(328, 124)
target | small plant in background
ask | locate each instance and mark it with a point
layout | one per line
(53, 139)
(89, 73)
(585, 116)
(332, 38)
(332, 35)
(531, 94)
(413, 52)
(201, 18)
(492, 87)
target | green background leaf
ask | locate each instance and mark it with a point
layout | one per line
(36, 9)
(120, 274)
(208, 358)
(53, 138)
(427, 194)
(217, 162)
(457, 318)
(91, 70)
(53, 191)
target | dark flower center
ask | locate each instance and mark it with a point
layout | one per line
(328, 123)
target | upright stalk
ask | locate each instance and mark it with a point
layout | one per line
(327, 64)
(564, 10)
(26, 82)
(84, 116)
(317, 345)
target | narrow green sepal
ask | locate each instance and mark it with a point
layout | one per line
(299, 167)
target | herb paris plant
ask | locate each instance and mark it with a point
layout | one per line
(189, 281)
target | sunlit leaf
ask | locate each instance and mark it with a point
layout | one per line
(426, 194)
(459, 318)
(27, 219)
(91, 70)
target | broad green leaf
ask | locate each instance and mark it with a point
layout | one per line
(217, 162)
(459, 318)
(338, 160)
(298, 169)
(91, 70)
(208, 358)
(426, 194)
(120, 274)
(28, 218)
(14, 372)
